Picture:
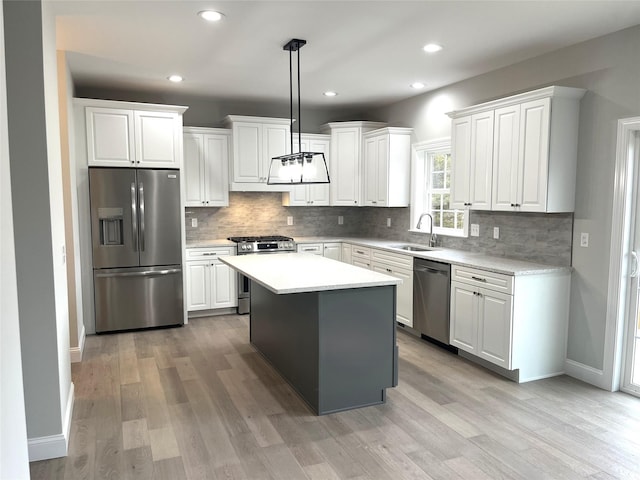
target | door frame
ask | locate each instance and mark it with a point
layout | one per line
(619, 256)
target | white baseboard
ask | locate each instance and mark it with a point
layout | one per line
(76, 352)
(586, 373)
(54, 446)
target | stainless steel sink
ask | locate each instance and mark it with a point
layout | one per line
(413, 248)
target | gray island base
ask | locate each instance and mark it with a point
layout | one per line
(336, 348)
(326, 326)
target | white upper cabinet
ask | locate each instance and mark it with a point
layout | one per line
(256, 140)
(472, 146)
(534, 142)
(346, 161)
(309, 195)
(132, 137)
(206, 167)
(386, 165)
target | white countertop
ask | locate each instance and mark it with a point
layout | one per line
(302, 272)
(219, 242)
(503, 265)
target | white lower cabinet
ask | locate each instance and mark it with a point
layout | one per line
(361, 256)
(481, 322)
(210, 283)
(313, 248)
(346, 253)
(401, 267)
(332, 250)
(515, 322)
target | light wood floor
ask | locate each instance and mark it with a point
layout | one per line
(198, 402)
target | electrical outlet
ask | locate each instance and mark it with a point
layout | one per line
(475, 230)
(388, 222)
(584, 239)
(340, 220)
(496, 233)
(289, 220)
(194, 223)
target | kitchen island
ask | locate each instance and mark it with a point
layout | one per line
(327, 327)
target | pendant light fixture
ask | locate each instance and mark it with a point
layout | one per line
(302, 167)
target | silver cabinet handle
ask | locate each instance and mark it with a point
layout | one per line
(141, 192)
(209, 254)
(134, 218)
(478, 279)
(634, 269)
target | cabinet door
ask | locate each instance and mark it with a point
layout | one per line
(345, 166)
(157, 137)
(110, 137)
(494, 327)
(216, 171)
(382, 171)
(247, 152)
(534, 155)
(346, 253)
(198, 286)
(481, 161)
(275, 142)
(404, 295)
(464, 325)
(460, 161)
(505, 157)
(333, 251)
(193, 170)
(318, 195)
(224, 286)
(370, 171)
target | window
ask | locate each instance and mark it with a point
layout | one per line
(431, 190)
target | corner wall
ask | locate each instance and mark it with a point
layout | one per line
(14, 455)
(38, 212)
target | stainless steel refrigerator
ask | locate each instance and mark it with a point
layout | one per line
(137, 248)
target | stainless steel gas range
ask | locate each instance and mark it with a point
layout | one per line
(256, 246)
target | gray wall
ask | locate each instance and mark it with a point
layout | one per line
(14, 458)
(38, 214)
(609, 67)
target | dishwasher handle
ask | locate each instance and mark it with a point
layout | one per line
(430, 270)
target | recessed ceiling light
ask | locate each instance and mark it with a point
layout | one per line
(417, 85)
(211, 15)
(330, 94)
(432, 48)
(175, 78)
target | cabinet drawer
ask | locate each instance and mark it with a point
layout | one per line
(362, 252)
(209, 253)
(392, 259)
(313, 248)
(497, 282)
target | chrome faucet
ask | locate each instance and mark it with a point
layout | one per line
(433, 238)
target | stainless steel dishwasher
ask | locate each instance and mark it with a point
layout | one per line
(431, 296)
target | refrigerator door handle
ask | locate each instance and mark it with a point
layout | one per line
(141, 190)
(134, 218)
(151, 273)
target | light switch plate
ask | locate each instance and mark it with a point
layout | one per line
(340, 220)
(388, 222)
(289, 220)
(496, 233)
(194, 223)
(475, 230)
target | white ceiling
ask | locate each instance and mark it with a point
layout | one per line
(367, 51)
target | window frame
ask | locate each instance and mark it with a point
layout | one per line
(420, 193)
